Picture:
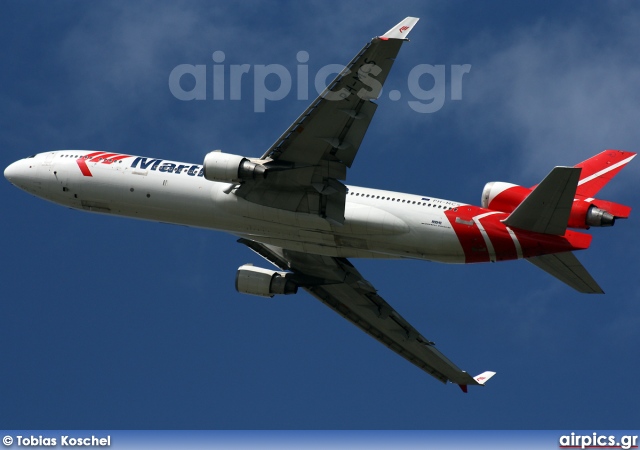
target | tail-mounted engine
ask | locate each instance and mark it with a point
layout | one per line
(501, 196)
(597, 217)
(264, 282)
(585, 213)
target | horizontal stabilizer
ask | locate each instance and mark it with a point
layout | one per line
(479, 380)
(566, 268)
(548, 207)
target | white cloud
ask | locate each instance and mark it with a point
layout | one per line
(117, 58)
(559, 92)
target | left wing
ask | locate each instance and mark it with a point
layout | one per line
(337, 284)
(310, 159)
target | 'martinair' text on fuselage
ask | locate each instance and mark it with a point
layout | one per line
(155, 164)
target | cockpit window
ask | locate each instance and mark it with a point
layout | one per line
(32, 156)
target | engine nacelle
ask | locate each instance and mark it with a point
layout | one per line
(597, 217)
(263, 282)
(501, 196)
(585, 215)
(228, 168)
(505, 197)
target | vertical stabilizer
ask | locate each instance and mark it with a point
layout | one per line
(598, 170)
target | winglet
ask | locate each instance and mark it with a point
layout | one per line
(478, 380)
(484, 377)
(401, 30)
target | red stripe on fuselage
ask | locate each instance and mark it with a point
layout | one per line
(83, 167)
(464, 222)
(82, 163)
(106, 158)
(501, 240)
(471, 240)
(101, 157)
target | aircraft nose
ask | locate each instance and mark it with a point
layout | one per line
(12, 171)
(18, 173)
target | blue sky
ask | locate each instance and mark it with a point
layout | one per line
(115, 323)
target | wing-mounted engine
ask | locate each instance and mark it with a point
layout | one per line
(264, 282)
(291, 186)
(305, 167)
(228, 168)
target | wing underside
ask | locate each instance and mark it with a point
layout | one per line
(337, 284)
(309, 160)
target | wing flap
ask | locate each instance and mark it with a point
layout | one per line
(348, 146)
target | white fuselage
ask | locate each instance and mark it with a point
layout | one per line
(378, 224)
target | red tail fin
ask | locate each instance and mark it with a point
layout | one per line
(600, 169)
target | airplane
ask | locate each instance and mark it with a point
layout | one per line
(291, 207)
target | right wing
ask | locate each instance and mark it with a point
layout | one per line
(337, 284)
(309, 161)
(333, 126)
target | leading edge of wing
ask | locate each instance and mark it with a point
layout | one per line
(337, 284)
(346, 103)
(309, 161)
